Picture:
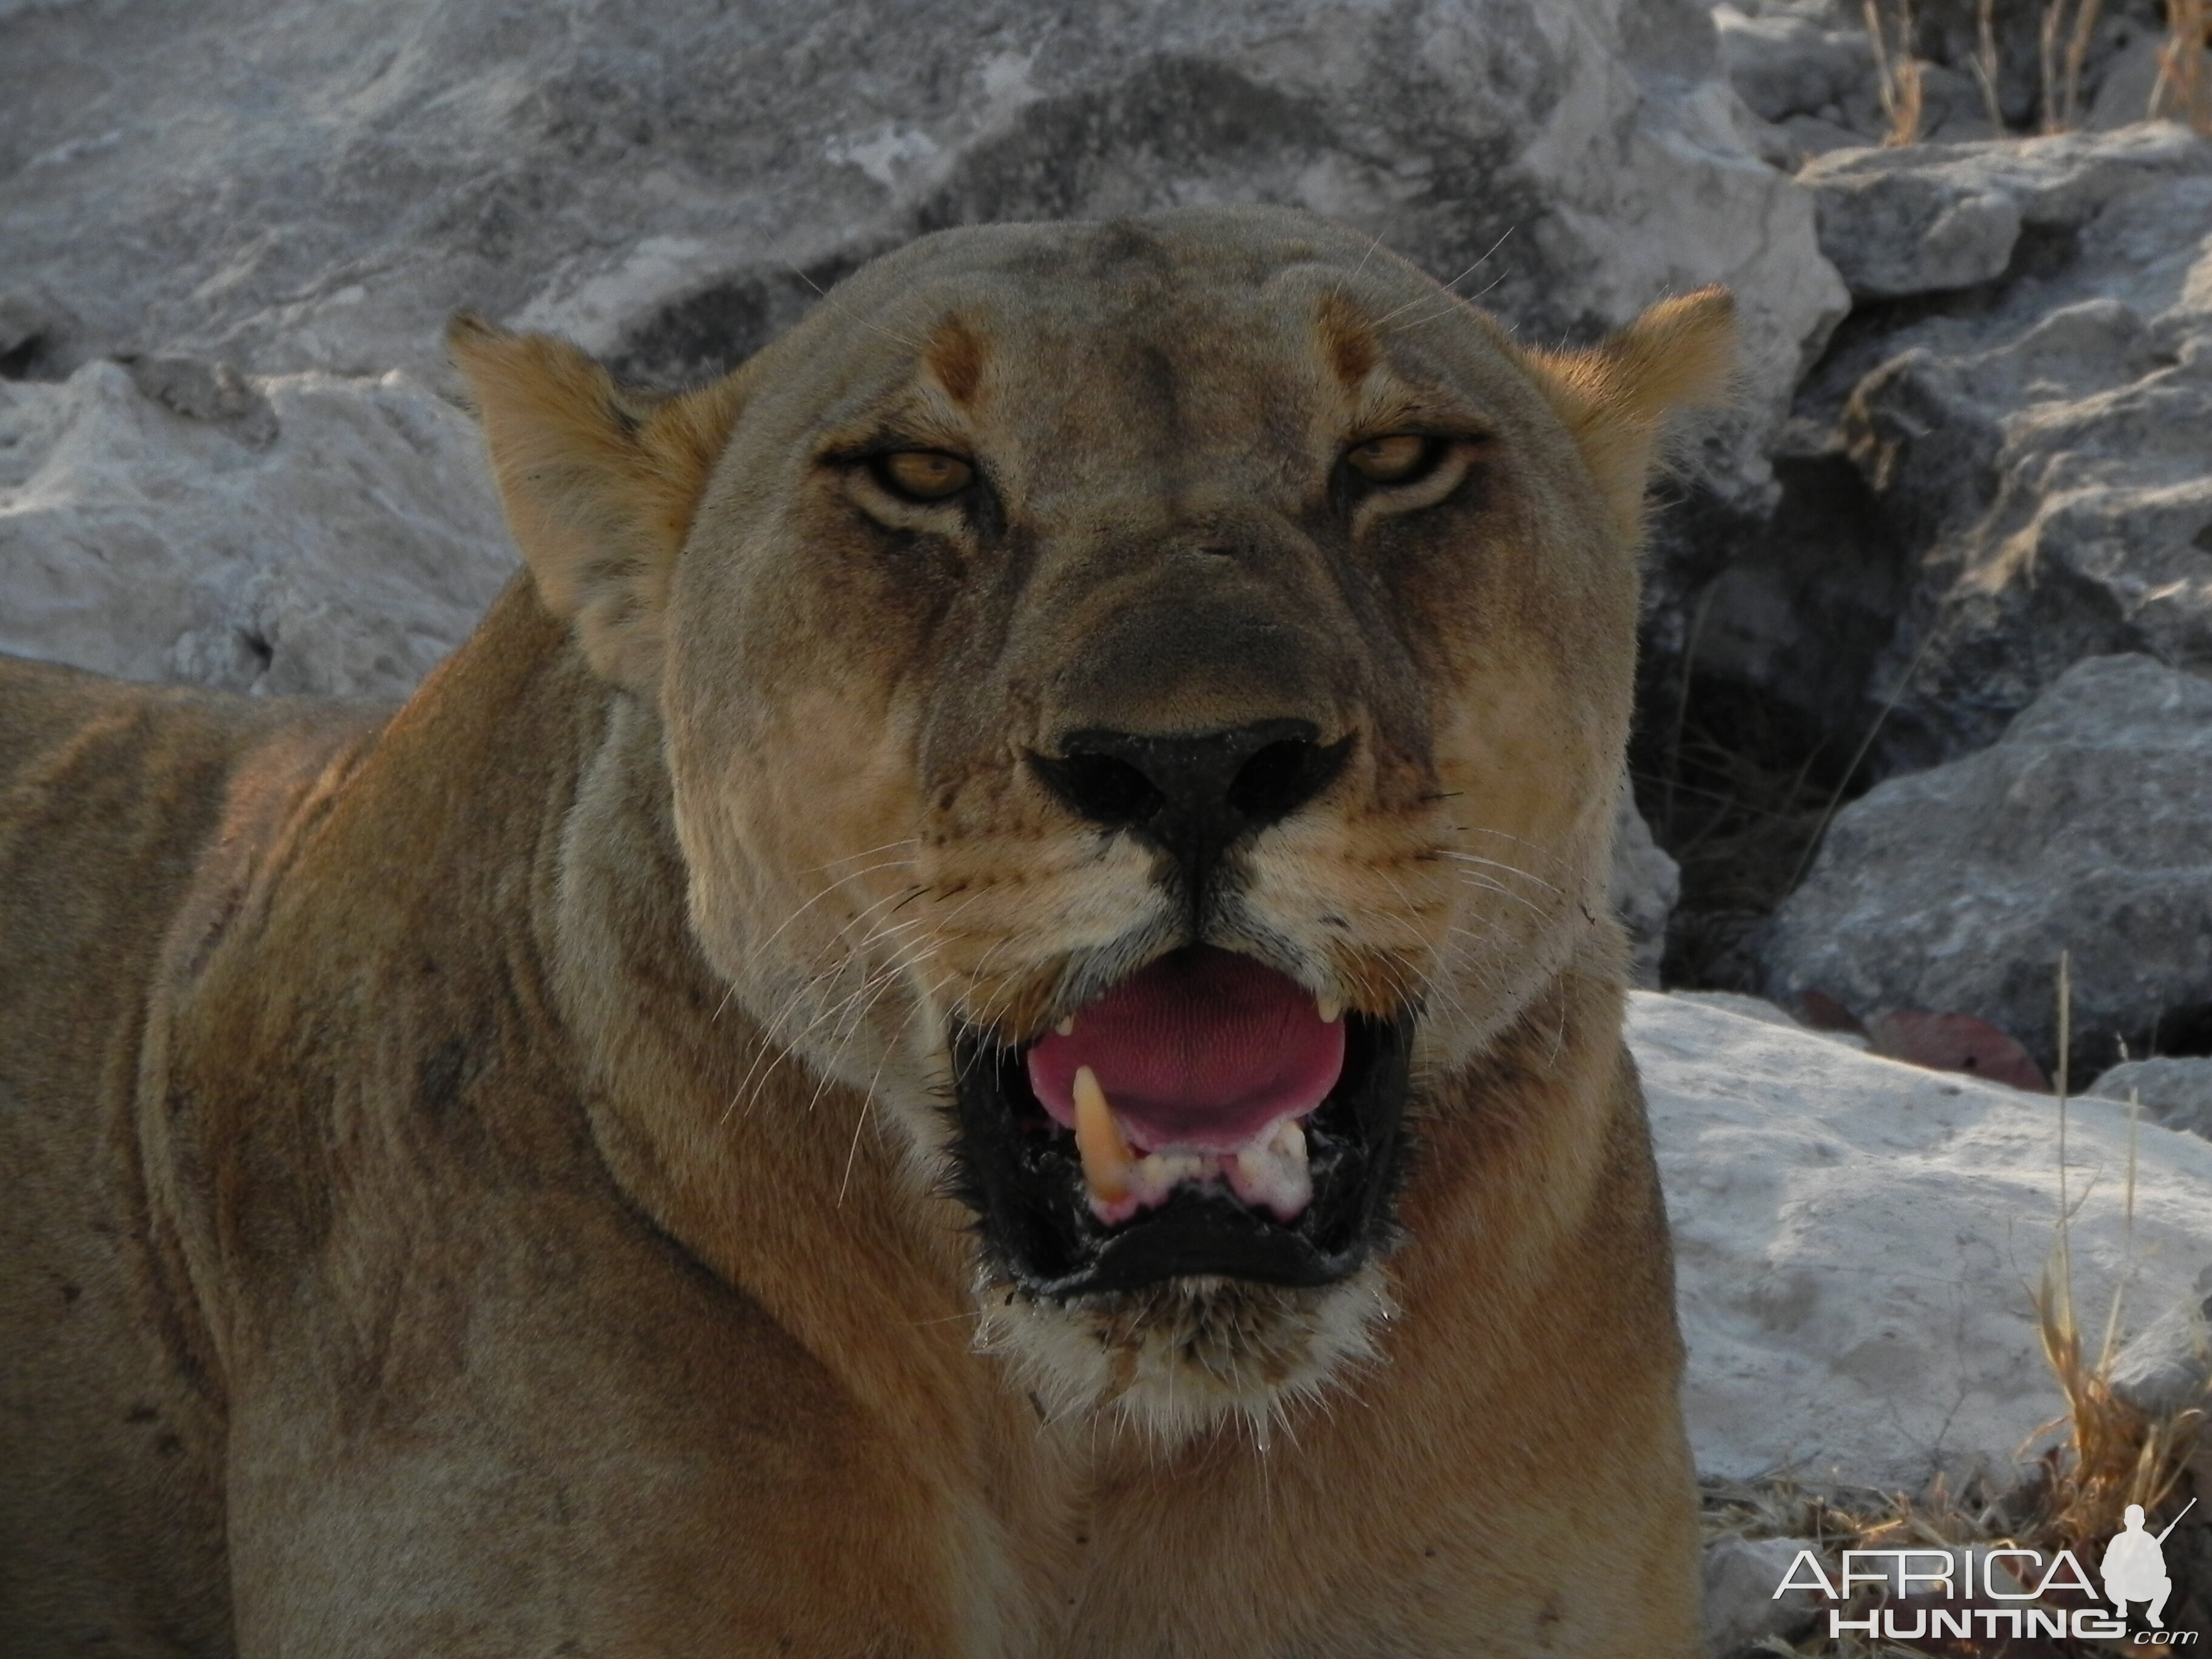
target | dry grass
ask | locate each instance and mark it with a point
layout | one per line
(2110, 1454)
(2065, 49)
(1897, 70)
(2066, 30)
(2181, 91)
(2115, 1453)
(1737, 791)
(1986, 63)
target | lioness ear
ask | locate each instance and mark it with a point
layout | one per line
(600, 482)
(1615, 396)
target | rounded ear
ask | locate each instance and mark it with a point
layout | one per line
(1615, 396)
(600, 482)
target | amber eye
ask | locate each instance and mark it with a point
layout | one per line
(923, 474)
(1394, 459)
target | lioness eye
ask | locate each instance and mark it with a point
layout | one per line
(1393, 460)
(924, 475)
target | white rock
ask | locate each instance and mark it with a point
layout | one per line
(1741, 1607)
(2166, 1366)
(2174, 1092)
(2127, 90)
(1736, 1002)
(1926, 217)
(1987, 484)
(1855, 1241)
(1784, 63)
(315, 535)
(1809, 67)
(1767, 1013)
(2082, 829)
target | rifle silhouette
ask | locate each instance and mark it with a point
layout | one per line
(2176, 1522)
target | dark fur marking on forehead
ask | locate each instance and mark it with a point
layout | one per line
(1153, 369)
(1345, 341)
(1120, 243)
(956, 357)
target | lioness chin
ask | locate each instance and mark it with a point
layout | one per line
(978, 1020)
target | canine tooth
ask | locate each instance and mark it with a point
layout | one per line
(1331, 1009)
(1107, 1160)
(1066, 1027)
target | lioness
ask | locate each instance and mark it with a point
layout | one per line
(978, 1020)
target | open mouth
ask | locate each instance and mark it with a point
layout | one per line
(1204, 1116)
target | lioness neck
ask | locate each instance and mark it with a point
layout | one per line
(716, 1130)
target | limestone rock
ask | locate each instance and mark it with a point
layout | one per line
(1854, 1238)
(1736, 1002)
(2177, 1092)
(33, 330)
(291, 533)
(1769, 1013)
(2082, 829)
(1807, 67)
(2168, 1367)
(1910, 231)
(1989, 482)
(1942, 215)
(1742, 1609)
(1784, 63)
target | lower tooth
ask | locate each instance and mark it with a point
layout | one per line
(1275, 1172)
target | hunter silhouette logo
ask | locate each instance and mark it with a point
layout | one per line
(2134, 1568)
(1928, 1587)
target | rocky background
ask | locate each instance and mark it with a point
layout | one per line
(1930, 611)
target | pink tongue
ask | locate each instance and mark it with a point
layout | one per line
(1199, 1052)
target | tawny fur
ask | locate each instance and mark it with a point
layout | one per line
(474, 1173)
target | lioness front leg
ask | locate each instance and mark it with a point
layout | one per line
(591, 1448)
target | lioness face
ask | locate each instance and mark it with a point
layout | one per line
(1141, 701)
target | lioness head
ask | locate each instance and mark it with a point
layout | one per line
(1137, 699)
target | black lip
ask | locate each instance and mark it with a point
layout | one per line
(1020, 1171)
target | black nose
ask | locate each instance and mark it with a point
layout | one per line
(1192, 797)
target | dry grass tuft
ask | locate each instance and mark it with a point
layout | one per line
(1985, 63)
(2064, 49)
(2066, 30)
(2114, 1452)
(2182, 91)
(1896, 69)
